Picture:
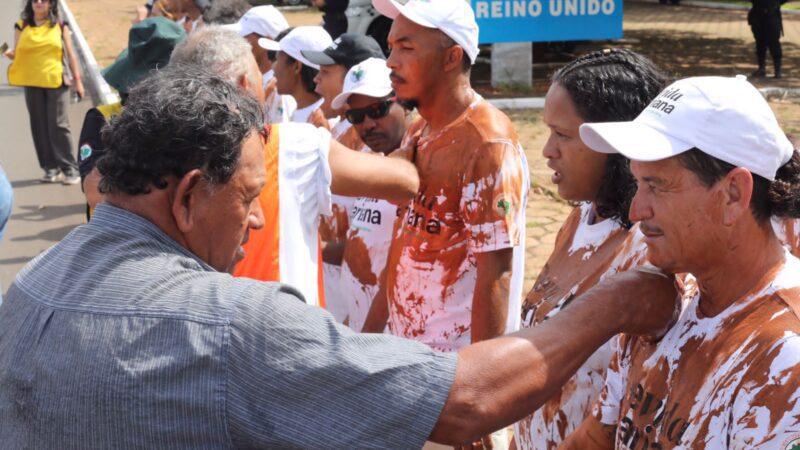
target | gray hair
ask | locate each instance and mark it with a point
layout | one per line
(217, 49)
(179, 119)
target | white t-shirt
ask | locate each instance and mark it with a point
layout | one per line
(277, 108)
(301, 115)
(728, 381)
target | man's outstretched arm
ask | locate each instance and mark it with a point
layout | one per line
(499, 381)
(358, 174)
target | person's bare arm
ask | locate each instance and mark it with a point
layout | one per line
(499, 381)
(10, 53)
(590, 435)
(73, 62)
(358, 174)
(490, 299)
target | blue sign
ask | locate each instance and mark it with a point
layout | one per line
(547, 20)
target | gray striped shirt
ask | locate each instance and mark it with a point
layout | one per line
(118, 337)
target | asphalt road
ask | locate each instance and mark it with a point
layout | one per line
(43, 213)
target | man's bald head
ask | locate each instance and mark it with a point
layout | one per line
(224, 53)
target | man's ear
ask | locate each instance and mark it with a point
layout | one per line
(453, 57)
(737, 190)
(297, 67)
(186, 196)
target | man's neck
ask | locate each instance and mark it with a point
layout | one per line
(446, 103)
(152, 207)
(304, 98)
(744, 265)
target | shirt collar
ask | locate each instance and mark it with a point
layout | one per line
(107, 217)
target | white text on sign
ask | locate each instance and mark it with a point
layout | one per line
(502, 9)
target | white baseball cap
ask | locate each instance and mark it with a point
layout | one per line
(264, 21)
(726, 118)
(301, 38)
(454, 18)
(370, 78)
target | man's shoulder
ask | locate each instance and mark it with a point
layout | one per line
(491, 124)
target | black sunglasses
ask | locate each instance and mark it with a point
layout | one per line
(375, 111)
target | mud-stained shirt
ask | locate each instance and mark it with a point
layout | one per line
(584, 255)
(728, 381)
(788, 232)
(472, 195)
(365, 253)
(333, 229)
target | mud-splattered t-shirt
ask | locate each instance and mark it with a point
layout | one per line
(473, 189)
(333, 228)
(788, 231)
(365, 253)
(729, 381)
(584, 255)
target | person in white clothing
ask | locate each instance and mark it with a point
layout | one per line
(345, 52)
(295, 74)
(381, 124)
(267, 22)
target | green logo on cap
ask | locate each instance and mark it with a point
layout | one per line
(358, 74)
(86, 151)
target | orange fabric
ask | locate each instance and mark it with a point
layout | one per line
(262, 250)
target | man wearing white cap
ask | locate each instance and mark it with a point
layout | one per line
(455, 270)
(267, 22)
(713, 167)
(380, 123)
(295, 73)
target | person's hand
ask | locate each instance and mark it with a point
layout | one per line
(10, 53)
(318, 3)
(79, 89)
(485, 443)
(139, 15)
(645, 301)
(409, 150)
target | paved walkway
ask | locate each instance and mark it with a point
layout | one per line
(689, 41)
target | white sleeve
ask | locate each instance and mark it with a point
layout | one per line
(304, 151)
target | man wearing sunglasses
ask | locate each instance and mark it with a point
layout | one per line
(381, 124)
(348, 50)
(267, 22)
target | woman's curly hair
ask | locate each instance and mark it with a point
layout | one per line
(179, 119)
(612, 85)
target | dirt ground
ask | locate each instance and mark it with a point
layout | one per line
(105, 24)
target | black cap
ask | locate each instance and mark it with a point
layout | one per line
(348, 50)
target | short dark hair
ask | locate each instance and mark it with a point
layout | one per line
(612, 85)
(179, 119)
(307, 74)
(27, 13)
(779, 198)
(466, 63)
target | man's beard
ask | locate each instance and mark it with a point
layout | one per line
(409, 104)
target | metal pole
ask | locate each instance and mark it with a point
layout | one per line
(95, 84)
